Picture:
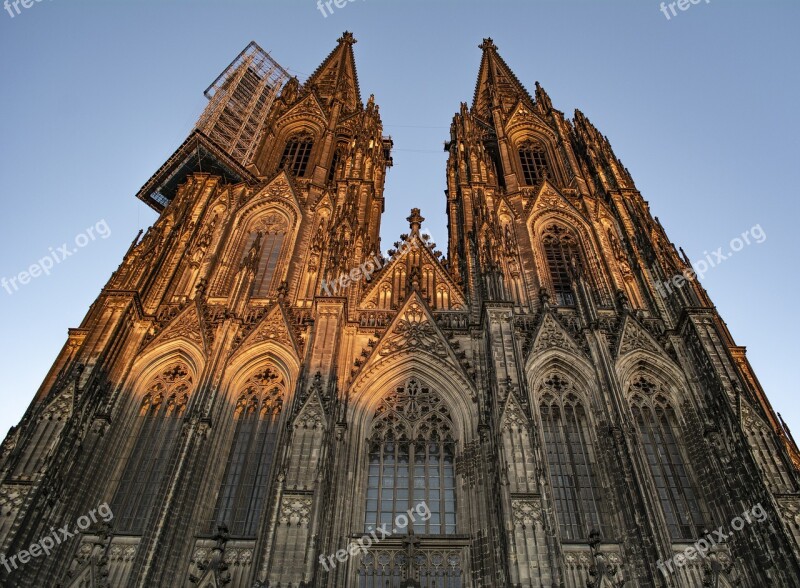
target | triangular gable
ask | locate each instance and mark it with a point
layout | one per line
(325, 201)
(186, 325)
(311, 415)
(522, 113)
(549, 198)
(513, 415)
(274, 326)
(504, 208)
(280, 188)
(309, 106)
(414, 329)
(551, 334)
(370, 297)
(61, 406)
(636, 338)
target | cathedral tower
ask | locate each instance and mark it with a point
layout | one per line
(259, 398)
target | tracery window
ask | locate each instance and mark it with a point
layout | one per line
(296, 155)
(533, 158)
(570, 459)
(411, 461)
(160, 418)
(273, 230)
(244, 489)
(561, 251)
(658, 429)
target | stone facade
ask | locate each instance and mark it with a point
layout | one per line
(249, 401)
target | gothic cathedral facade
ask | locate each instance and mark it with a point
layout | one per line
(261, 398)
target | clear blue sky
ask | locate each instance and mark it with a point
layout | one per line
(703, 110)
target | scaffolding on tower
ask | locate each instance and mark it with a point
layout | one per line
(239, 102)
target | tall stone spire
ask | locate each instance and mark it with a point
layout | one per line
(497, 85)
(336, 77)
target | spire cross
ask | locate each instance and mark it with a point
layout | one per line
(488, 43)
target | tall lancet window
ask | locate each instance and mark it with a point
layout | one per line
(570, 458)
(244, 489)
(160, 418)
(533, 159)
(296, 155)
(561, 251)
(273, 229)
(412, 461)
(658, 428)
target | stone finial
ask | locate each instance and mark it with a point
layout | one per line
(415, 221)
(488, 43)
(347, 37)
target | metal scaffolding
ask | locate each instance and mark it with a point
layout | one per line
(239, 102)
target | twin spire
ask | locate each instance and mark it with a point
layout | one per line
(497, 85)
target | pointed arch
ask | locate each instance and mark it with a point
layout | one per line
(273, 227)
(411, 460)
(564, 405)
(567, 361)
(152, 361)
(367, 391)
(249, 357)
(534, 162)
(653, 408)
(551, 209)
(164, 397)
(250, 410)
(658, 368)
(259, 402)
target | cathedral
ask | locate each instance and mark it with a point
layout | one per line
(264, 396)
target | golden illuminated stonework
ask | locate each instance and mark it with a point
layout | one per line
(262, 398)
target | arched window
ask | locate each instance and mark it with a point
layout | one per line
(385, 300)
(296, 154)
(412, 462)
(269, 233)
(273, 229)
(533, 159)
(338, 157)
(560, 251)
(658, 426)
(159, 426)
(244, 489)
(570, 459)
